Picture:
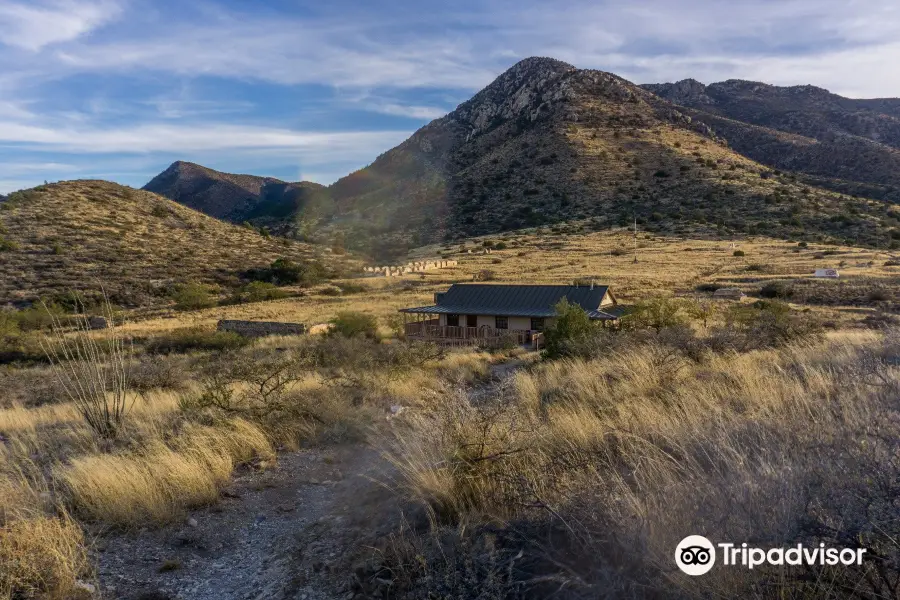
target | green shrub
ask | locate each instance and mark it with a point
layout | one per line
(288, 272)
(348, 287)
(195, 339)
(738, 253)
(258, 291)
(193, 296)
(571, 325)
(656, 313)
(354, 324)
(7, 245)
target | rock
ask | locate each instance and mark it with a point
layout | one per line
(192, 522)
(98, 323)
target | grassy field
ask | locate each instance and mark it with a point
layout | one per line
(638, 419)
(665, 266)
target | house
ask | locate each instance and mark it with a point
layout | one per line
(499, 314)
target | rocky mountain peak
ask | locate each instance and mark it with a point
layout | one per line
(686, 91)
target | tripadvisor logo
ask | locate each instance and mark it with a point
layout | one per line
(696, 555)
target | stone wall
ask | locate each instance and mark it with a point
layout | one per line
(410, 267)
(260, 328)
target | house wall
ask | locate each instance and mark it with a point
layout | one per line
(517, 323)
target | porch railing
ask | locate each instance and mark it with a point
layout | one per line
(433, 331)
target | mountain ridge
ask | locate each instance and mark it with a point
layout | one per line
(75, 236)
(547, 142)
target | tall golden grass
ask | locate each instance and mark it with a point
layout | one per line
(632, 452)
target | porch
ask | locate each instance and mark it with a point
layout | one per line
(431, 330)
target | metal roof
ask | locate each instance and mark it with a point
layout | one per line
(517, 300)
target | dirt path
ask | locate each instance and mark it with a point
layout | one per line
(287, 533)
(300, 531)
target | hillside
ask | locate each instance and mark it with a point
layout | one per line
(77, 235)
(808, 129)
(235, 198)
(547, 142)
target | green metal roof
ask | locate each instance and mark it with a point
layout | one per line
(517, 300)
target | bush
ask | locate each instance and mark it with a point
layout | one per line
(707, 287)
(571, 325)
(500, 246)
(656, 313)
(258, 291)
(776, 289)
(355, 324)
(287, 272)
(738, 253)
(190, 339)
(193, 296)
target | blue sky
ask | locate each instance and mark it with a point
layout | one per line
(118, 89)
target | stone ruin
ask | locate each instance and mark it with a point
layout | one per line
(408, 268)
(260, 328)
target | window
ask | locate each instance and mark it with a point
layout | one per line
(537, 324)
(501, 322)
(453, 320)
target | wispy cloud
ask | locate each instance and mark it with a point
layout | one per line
(165, 137)
(35, 24)
(317, 90)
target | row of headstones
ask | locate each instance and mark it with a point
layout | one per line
(411, 267)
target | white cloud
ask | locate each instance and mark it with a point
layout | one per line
(34, 25)
(155, 137)
(409, 111)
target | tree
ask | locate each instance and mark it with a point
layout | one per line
(571, 324)
(658, 313)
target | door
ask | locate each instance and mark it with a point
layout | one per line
(471, 320)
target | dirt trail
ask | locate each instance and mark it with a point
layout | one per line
(300, 531)
(284, 534)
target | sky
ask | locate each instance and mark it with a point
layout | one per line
(119, 89)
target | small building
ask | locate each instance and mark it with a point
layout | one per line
(828, 273)
(728, 294)
(500, 314)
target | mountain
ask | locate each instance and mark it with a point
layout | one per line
(79, 235)
(235, 198)
(846, 144)
(547, 142)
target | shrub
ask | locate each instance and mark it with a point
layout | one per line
(288, 272)
(776, 289)
(571, 325)
(500, 246)
(355, 324)
(656, 313)
(258, 291)
(878, 295)
(738, 253)
(7, 245)
(707, 287)
(189, 339)
(193, 296)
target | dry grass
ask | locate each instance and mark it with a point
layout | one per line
(158, 483)
(624, 456)
(666, 264)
